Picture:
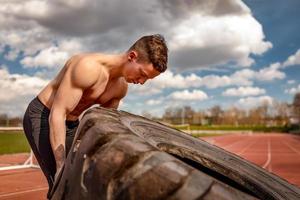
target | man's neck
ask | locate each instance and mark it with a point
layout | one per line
(114, 63)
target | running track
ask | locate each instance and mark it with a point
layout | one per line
(21, 184)
(277, 153)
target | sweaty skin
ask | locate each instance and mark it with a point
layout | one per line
(85, 80)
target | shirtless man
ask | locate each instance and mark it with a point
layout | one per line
(52, 117)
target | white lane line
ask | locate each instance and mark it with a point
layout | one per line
(294, 138)
(230, 145)
(270, 168)
(23, 192)
(292, 148)
(269, 156)
(244, 149)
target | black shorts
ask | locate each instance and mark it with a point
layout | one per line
(36, 128)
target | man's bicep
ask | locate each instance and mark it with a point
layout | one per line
(80, 77)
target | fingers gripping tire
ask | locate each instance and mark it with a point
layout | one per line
(118, 155)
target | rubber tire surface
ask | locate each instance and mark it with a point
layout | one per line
(118, 155)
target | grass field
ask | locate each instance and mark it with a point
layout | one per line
(13, 142)
(257, 128)
(16, 142)
(206, 134)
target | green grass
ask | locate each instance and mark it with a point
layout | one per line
(13, 142)
(255, 128)
(206, 134)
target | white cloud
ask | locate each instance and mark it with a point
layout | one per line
(240, 36)
(185, 95)
(244, 91)
(171, 80)
(290, 82)
(251, 102)
(146, 89)
(121, 103)
(51, 57)
(16, 89)
(244, 77)
(293, 90)
(24, 36)
(54, 56)
(292, 60)
(270, 73)
(199, 33)
(152, 102)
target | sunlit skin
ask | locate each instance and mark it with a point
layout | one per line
(138, 73)
(85, 80)
(116, 71)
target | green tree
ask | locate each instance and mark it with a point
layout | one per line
(296, 107)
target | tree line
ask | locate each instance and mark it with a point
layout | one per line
(275, 114)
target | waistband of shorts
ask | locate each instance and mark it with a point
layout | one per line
(43, 106)
(67, 122)
(72, 123)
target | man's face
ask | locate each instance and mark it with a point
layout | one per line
(138, 72)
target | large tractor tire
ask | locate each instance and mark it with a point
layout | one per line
(118, 155)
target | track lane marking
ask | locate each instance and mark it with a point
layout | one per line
(244, 149)
(22, 192)
(236, 142)
(269, 156)
(292, 148)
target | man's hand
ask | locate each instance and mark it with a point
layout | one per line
(60, 158)
(57, 173)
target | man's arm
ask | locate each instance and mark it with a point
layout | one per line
(113, 103)
(69, 93)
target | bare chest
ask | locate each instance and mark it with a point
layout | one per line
(97, 95)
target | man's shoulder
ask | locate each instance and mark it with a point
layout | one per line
(88, 62)
(87, 72)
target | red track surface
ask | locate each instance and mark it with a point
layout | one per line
(278, 153)
(21, 183)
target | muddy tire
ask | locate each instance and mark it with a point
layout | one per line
(118, 155)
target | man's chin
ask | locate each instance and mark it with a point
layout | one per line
(127, 80)
(130, 81)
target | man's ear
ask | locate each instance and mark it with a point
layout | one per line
(132, 56)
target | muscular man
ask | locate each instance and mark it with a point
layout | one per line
(52, 117)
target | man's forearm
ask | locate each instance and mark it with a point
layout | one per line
(57, 139)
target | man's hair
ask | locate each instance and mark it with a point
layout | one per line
(152, 49)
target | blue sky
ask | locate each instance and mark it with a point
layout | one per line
(228, 53)
(280, 22)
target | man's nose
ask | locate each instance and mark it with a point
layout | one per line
(142, 81)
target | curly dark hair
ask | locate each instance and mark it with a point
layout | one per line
(152, 49)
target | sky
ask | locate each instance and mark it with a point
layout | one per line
(221, 52)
